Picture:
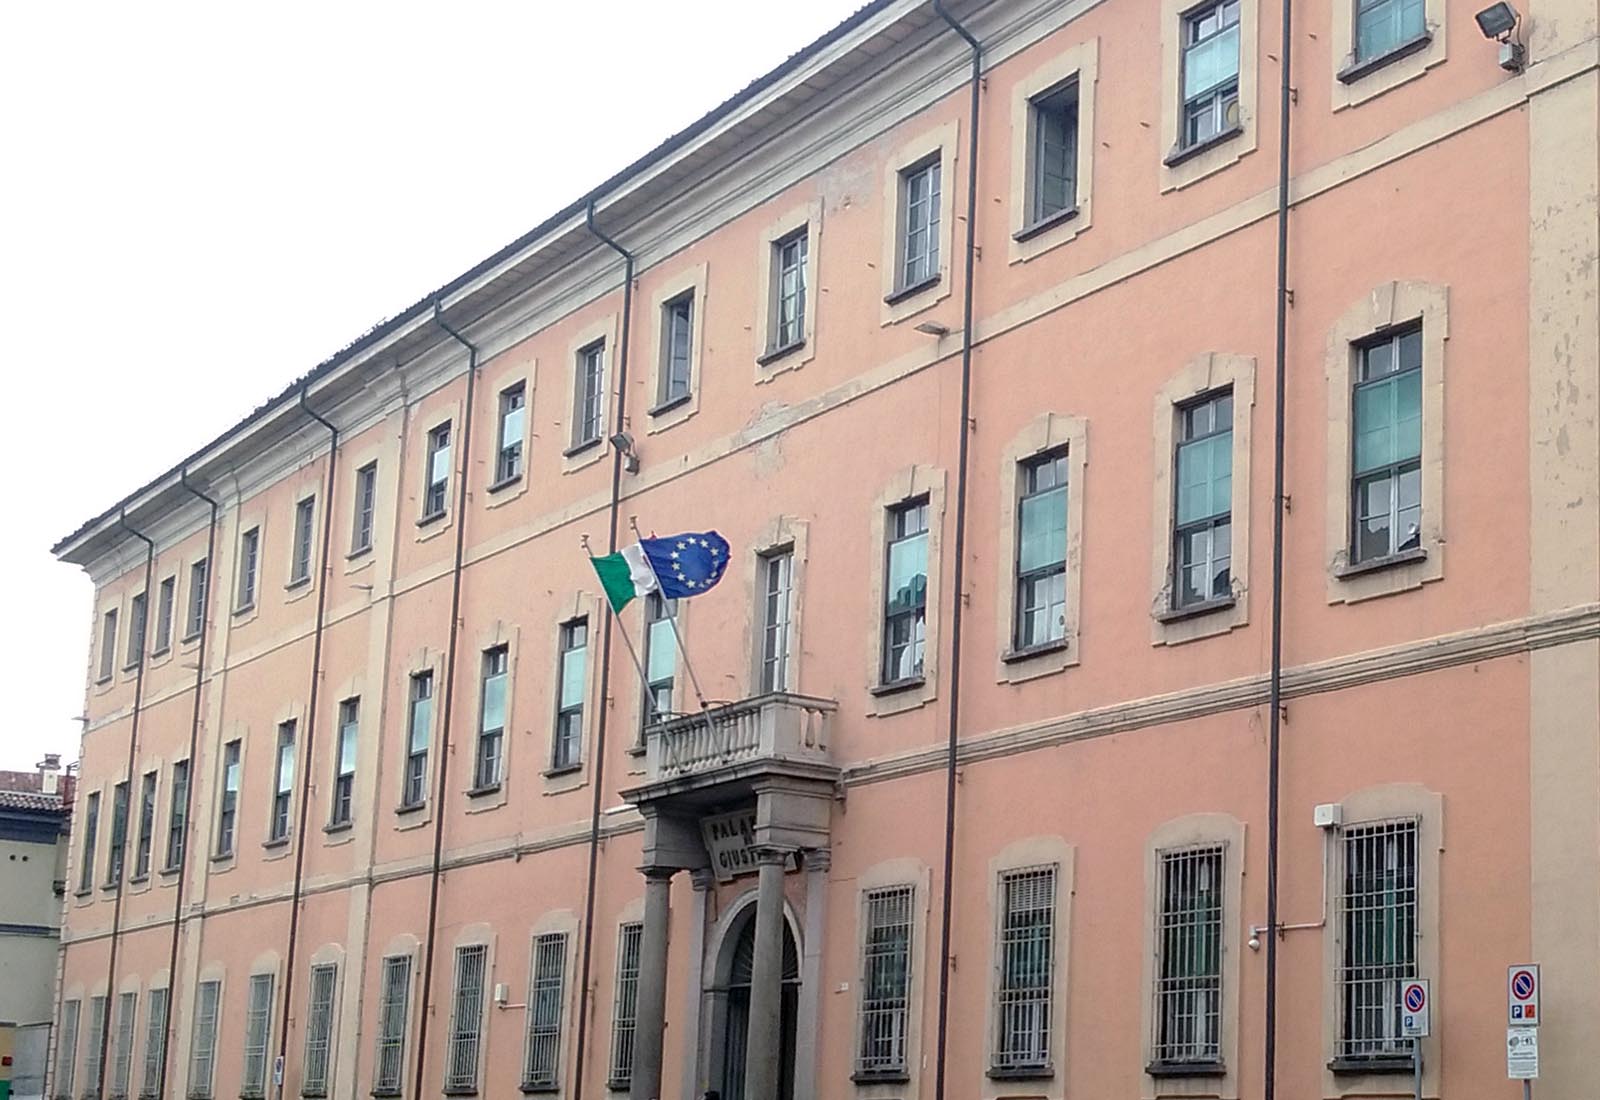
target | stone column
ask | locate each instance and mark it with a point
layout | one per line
(764, 1053)
(694, 1002)
(818, 862)
(650, 1017)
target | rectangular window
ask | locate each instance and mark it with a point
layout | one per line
(119, 834)
(1210, 71)
(466, 1020)
(166, 600)
(677, 344)
(138, 616)
(1383, 26)
(571, 674)
(91, 825)
(108, 644)
(544, 1012)
(300, 567)
(1202, 532)
(589, 390)
(283, 782)
(660, 658)
(67, 1050)
(344, 775)
(203, 1047)
(249, 559)
(1024, 998)
(789, 289)
(366, 508)
(94, 1048)
(625, 1009)
(228, 806)
(1188, 1010)
(419, 726)
(122, 1051)
(155, 1046)
(388, 1072)
(1386, 419)
(508, 437)
(437, 489)
(1054, 156)
(777, 575)
(1042, 551)
(492, 721)
(147, 826)
(257, 1036)
(905, 612)
(178, 814)
(1378, 928)
(919, 224)
(886, 982)
(319, 1030)
(195, 620)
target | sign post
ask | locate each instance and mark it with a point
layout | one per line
(1416, 1009)
(1522, 1019)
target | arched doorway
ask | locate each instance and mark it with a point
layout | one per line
(731, 993)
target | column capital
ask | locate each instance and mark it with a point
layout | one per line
(819, 859)
(770, 854)
(703, 879)
(657, 873)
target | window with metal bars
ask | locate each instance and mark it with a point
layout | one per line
(300, 565)
(509, 435)
(122, 1051)
(677, 348)
(777, 577)
(1202, 526)
(1188, 993)
(543, 1061)
(283, 783)
(624, 1013)
(119, 834)
(388, 1071)
(108, 644)
(178, 814)
(147, 825)
(660, 659)
(1210, 72)
(905, 611)
(1041, 615)
(166, 600)
(319, 1030)
(344, 765)
(588, 395)
(414, 788)
(1378, 939)
(138, 615)
(249, 559)
(885, 983)
(366, 508)
(228, 807)
(1024, 994)
(1386, 423)
(195, 620)
(571, 676)
(203, 1045)
(66, 1050)
(436, 487)
(94, 1048)
(257, 1036)
(466, 1020)
(1053, 186)
(155, 1046)
(492, 719)
(91, 825)
(789, 289)
(919, 224)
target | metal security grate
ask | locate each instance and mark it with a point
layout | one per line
(319, 1030)
(122, 1060)
(389, 1065)
(155, 1046)
(1378, 925)
(466, 1019)
(886, 981)
(1023, 999)
(1188, 1010)
(625, 1014)
(257, 1030)
(66, 1049)
(95, 1047)
(544, 1011)
(203, 1050)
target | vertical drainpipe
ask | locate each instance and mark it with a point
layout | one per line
(963, 430)
(304, 754)
(127, 810)
(605, 661)
(188, 791)
(441, 793)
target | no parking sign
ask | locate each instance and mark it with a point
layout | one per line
(1522, 995)
(1416, 1004)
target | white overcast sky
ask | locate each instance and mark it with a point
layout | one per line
(199, 202)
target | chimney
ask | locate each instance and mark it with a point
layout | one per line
(49, 770)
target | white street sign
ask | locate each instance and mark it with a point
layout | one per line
(1416, 1004)
(1522, 1053)
(1522, 995)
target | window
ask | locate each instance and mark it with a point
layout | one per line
(228, 809)
(492, 724)
(203, 1047)
(1188, 1010)
(1042, 551)
(624, 1013)
(66, 1050)
(388, 1071)
(588, 413)
(1203, 524)
(919, 225)
(1386, 478)
(789, 256)
(319, 1030)
(344, 775)
(571, 673)
(257, 1036)
(466, 1020)
(283, 783)
(508, 438)
(1383, 26)
(886, 982)
(420, 723)
(905, 613)
(94, 1048)
(119, 834)
(122, 1052)
(249, 559)
(166, 599)
(660, 658)
(147, 826)
(108, 644)
(138, 614)
(1023, 1005)
(300, 566)
(195, 620)
(1210, 72)
(366, 508)
(437, 487)
(178, 814)
(544, 1012)
(155, 1046)
(777, 576)
(677, 347)
(1054, 153)
(91, 824)
(1378, 923)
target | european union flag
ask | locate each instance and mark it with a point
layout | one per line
(687, 564)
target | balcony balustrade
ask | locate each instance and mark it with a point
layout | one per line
(775, 729)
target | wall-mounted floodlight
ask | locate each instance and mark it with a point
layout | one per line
(623, 442)
(933, 328)
(1498, 22)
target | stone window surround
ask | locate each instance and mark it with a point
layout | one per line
(293, 589)
(1195, 831)
(632, 912)
(566, 923)
(102, 609)
(1210, 372)
(1046, 432)
(479, 799)
(1381, 74)
(770, 360)
(1388, 306)
(1183, 166)
(423, 659)
(430, 525)
(221, 862)
(1079, 63)
(405, 946)
(295, 712)
(329, 954)
(266, 963)
(352, 687)
(602, 329)
(500, 493)
(661, 416)
(939, 142)
(184, 1030)
(253, 518)
(922, 967)
(352, 463)
(908, 484)
(471, 935)
(591, 608)
(780, 533)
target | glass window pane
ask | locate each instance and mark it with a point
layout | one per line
(1374, 434)
(663, 656)
(494, 702)
(1211, 62)
(1043, 540)
(1408, 415)
(908, 572)
(572, 672)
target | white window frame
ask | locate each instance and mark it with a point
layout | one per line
(511, 434)
(414, 791)
(560, 762)
(280, 825)
(228, 798)
(341, 809)
(432, 483)
(499, 657)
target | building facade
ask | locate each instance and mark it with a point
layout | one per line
(1034, 742)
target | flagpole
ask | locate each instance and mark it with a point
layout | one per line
(672, 619)
(644, 680)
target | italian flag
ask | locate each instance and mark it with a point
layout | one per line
(625, 575)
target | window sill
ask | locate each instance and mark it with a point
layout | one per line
(486, 789)
(1181, 153)
(383, 1094)
(670, 404)
(275, 842)
(338, 827)
(82, 893)
(881, 1077)
(469, 1090)
(221, 857)
(1194, 611)
(162, 652)
(565, 769)
(244, 609)
(359, 552)
(772, 355)
(108, 887)
(578, 448)
(504, 483)
(133, 665)
(101, 681)
(187, 638)
(139, 880)
(1388, 561)
(911, 291)
(898, 686)
(410, 808)
(431, 518)
(1358, 69)
(635, 750)
(168, 872)
(299, 582)
(1379, 1063)
(617, 1084)
(1044, 224)
(1186, 1069)
(1020, 1073)
(537, 1090)
(1013, 656)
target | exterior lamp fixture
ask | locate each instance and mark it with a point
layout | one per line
(933, 328)
(1498, 22)
(623, 442)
